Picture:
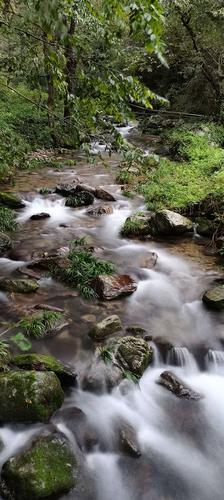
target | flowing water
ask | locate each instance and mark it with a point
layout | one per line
(181, 441)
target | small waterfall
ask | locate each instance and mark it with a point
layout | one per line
(181, 356)
(215, 360)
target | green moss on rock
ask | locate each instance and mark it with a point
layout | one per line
(133, 354)
(5, 243)
(136, 225)
(44, 471)
(11, 200)
(44, 362)
(29, 396)
(19, 286)
(7, 220)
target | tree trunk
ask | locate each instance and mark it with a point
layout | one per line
(70, 69)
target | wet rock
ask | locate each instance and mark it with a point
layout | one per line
(11, 200)
(30, 272)
(164, 345)
(136, 225)
(66, 190)
(175, 385)
(48, 307)
(113, 286)
(80, 199)
(169, 223)
(133, 354)
(45, 470)
(18, 286)
(84, 187)
(149, 261)
(29, 396)
(101, 210)
(5, 243)
(43, 363)
(42, 215)
(214, 298)
(106, 327)
(205, 227)
(76, 421)
(101, 377)
(49, 261)
(135, 330)
(101, 194)
(128, 440)
(46, 190)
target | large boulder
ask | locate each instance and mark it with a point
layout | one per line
(81, 199)
(101, 194)
(214, 298)
(107, 326)
(45, 362)
(5, 243)
(29, 396)
(109, 287)
(11, 200)
(169, 223)
(137, 225)
(175, 385)
(133, 354)
(46, 470)
(18, 286)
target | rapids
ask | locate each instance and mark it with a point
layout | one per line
(181, 441)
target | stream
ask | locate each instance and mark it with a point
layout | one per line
(181, 441)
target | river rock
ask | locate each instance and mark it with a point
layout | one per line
(106, 327)
(170, 223)
(136, 330)
(5, 243)
(205, 227)
(84, 187)
(29, 396)
(149, 260)
(133, 354)
(66, 190)
(76, 421)
(214, 298)
(80, 199)
(42, 215)
(11, 200)
(18, 286)
(101, 210)
(101, 194)
(175, 385)
(45, 470)
(136, 225)
(109, 287)
(101, 377)
(45, 362)
(128, 443)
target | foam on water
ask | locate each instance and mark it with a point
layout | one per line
(55, 208)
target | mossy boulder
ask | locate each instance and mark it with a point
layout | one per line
(107, 326)
(45, 362)
(133, 354)
(18, 286)
(214, 298)
(81, 199)
(11, 200)
(66, 190)
(5, 243)
(205, 227)
(45, 471)
(29, 396)
(168, 223)
(137, 225)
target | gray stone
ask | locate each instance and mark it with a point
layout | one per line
(106, 327)
(214, 298)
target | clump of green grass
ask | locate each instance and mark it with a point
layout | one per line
(4, 353)
(7, 220)
(84, 267)
(136, 225)
(38, 326)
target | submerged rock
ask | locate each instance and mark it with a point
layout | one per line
(170, 223)
(214, 298)
(46, 470)
(101, 210)
(29, 396)
(175, 385)
(113, 286)
(136, 225)
(45, 362)
(19, 286)
(5, 243)
(101, 194)
(105, 327)
(42, 215)
(80, 199)
(128, 443)
(133, 354)
(11, 200)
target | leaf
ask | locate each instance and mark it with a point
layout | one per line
(21, 341)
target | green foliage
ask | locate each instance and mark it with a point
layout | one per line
(37, 326)
(106, 354)
(84, 267)
(4, 352)
(21, 341)
(7, 220)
